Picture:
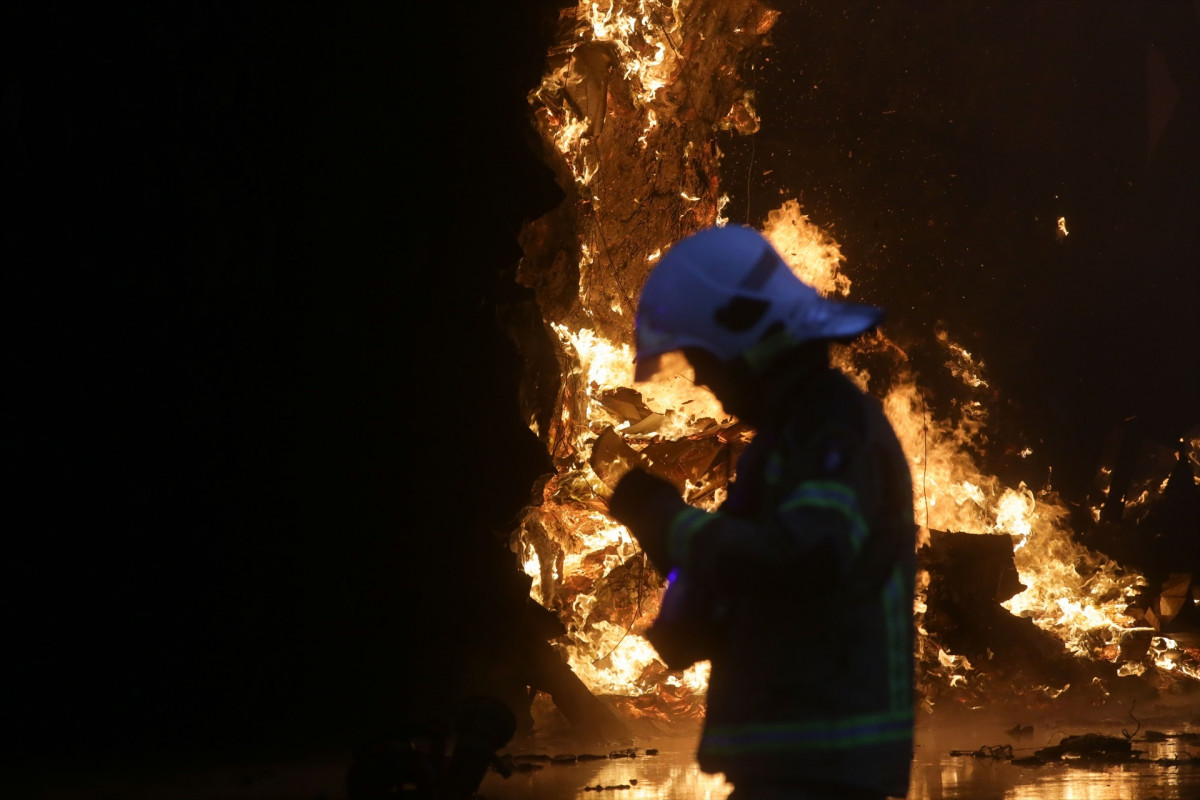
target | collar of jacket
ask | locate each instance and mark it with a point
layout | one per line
(788, 377)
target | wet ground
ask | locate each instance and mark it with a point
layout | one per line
(972, 758)
(965, 759)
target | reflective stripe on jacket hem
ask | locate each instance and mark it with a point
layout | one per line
(853, 731)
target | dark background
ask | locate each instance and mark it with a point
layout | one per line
(261, 432)
(940, 141)
(261, 439)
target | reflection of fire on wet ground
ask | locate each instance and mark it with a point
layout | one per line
(1047, 758)
(1012, 604)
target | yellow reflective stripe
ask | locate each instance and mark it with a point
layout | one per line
(834, 496)
(680, 531)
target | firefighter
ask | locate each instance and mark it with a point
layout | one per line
(799, 588)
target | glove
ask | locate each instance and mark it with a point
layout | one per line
(646, 504)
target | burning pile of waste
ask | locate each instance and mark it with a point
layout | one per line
(1008, 601)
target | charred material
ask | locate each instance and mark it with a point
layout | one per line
(1090, 747)
(969, 577)
(1149, 513)
(1086, 749)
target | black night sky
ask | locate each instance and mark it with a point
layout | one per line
(941, 141)
(261, 426)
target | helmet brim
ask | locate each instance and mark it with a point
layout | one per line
(835, 320)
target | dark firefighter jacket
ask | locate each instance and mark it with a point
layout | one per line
(800, 592)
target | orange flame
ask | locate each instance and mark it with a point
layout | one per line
(568, 545)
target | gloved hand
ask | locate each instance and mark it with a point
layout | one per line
(646, 504)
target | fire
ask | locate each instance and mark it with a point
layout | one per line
(606, 366)
(586, 567)
(1077, 594)
(634, 37)
(813, 254)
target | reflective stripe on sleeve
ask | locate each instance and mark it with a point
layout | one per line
(833, 496)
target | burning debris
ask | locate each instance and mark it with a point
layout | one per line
(1087, 750)
(1090, 746)
(1012, 602)
(968, 578)
(529, 762)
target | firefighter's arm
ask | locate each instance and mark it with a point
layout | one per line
(815, 531)
(646, 504)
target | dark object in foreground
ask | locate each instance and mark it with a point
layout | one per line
(971, 575)
(1087, 749)
(1090, 747)
(398, 769)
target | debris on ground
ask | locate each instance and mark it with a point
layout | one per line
(1088, 749)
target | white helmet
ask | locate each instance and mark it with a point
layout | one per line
(727, 291)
